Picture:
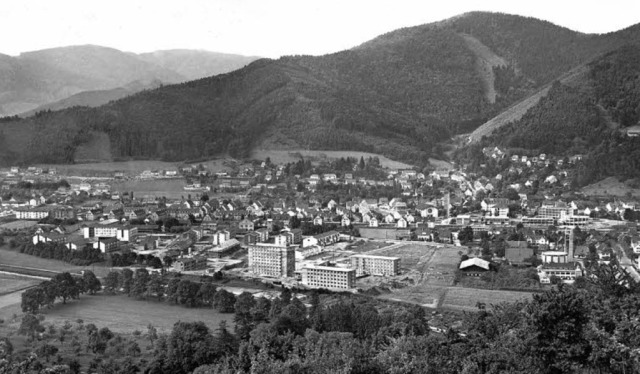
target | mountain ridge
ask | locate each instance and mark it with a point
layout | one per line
(38, 78)
(400, 94)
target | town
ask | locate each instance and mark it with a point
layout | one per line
(342, 224)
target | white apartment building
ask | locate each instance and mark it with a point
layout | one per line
(268, 259)
(331, 277)
(37, 213)
(122, 233)
(375, 265)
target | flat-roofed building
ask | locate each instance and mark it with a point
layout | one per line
(567, 271)
(375, 265)
(190, 264)
(122, 233)
(325, 276)
(274, 260)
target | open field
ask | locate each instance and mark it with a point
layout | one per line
(11, 283)
(467, 298)
(124, 314)
(130, 168)
(427, 275)
(17, 225)
(15, 258)
(366, 245)
(281, 157)
(171, 188)
(611, 187)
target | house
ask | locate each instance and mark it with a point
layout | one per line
(373, 222)
(474, 267)
(317, 221)
(189, 264)
(106, 245)
(346, 221)
(246, 225)
(401, 223)
(327, 238)
(51, 237)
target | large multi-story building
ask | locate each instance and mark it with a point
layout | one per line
(122, 233)
(325, 276)
(554, 209)
(274, 260)
(36, 213)
(375, 265)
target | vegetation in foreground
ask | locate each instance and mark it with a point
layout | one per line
(591, 326)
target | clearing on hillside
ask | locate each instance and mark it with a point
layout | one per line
(281, 157)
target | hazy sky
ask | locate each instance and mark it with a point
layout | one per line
(268, 28)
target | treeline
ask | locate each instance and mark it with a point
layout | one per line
(58, 251)
(590, 327)
(62, 286)
(170, 288)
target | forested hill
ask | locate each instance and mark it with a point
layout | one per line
(399, 95)
(588, 115)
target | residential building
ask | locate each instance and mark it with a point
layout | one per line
(567, 271)
(36, 213)
(474, 267)
(324, 275)
(328, 238)
(106, 245)
(273, 260)
(122, 233)
(190, 264)
(375, 265)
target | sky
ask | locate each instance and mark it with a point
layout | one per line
(266, 28)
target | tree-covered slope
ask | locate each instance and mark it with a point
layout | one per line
(398, 94)
(589, 116)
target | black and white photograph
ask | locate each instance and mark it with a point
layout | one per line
(307, 187)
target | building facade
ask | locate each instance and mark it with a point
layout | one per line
(375, 265)
(272, 260)
(332, 277)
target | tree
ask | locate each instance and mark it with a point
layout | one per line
(243, 317)
(126, 280)
(111, 282)
(92, 283)
(465, 235)
(46, 351)
(152, 333)
(66, 286)
(224, 301)
(139, 287)
(555, 331)
(189, 345)
(30, 325)
(32, 300)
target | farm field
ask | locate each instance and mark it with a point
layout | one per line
(10, 283)
(130, 168)
(123, 314)
(170, 188)
(467, 298)
(278, 156)
(17, 225)
(362, 246)
(15, 258)
(427, 275)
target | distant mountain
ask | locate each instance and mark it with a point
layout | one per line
(195, 64)
(95, 98)
(41, 78)
(400, 94)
